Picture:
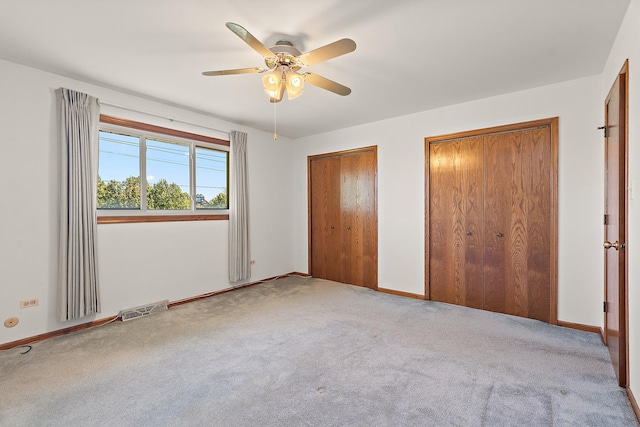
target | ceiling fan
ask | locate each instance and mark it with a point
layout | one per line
(284, 62)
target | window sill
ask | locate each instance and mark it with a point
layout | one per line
(126, 219)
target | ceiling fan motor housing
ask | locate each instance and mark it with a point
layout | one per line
(285, 54)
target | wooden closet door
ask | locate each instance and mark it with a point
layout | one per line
(325, 218)
(517, 204)
(343, 217)
(359, 219)
(456, 225)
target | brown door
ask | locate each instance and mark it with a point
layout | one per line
(615, 320)
(343, 220)
(518, 216)
(359, 219)
(325, 211)
(455, 228)
(492, 219)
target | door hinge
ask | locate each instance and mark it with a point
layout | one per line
(606, 130)
(606, 219)
(605, 306)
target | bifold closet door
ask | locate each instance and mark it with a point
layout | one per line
(455, 226)
(325, 210)
(359, 219)
(517, 212)
(343, 217)
(492, 219)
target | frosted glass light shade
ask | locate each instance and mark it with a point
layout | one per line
(273, 85)
(295, 84)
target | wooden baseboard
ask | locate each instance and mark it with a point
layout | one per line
(59, 332)
(634, 403)
(100, 322)
(400, 293)
(581, 327)
(224, 291)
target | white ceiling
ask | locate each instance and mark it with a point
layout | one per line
(412, 55)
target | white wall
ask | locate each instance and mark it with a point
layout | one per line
(401, 174)
(139, 263)
(627, 46)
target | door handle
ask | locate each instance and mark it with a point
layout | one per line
(609, 245)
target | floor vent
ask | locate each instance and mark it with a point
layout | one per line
(143, 310)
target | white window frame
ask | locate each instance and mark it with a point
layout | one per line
(157, 214)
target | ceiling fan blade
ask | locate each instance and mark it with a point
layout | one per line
(327, 84)
(236, 71)
(329, 51)
(250, 40)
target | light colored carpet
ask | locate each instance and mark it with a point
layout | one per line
(309, 352)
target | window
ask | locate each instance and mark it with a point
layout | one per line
(184, 176)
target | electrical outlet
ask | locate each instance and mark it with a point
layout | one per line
(31, 302)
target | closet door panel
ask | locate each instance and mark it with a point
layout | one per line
(517, 223)
(498, 206)
(325, 218)
(359, 219)
(537, 186)
(348, 243)
(456, 224)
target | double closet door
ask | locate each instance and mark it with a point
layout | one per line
(343, 217)
(492, 219)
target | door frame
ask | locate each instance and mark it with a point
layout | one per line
(552, 122)
(623, 273)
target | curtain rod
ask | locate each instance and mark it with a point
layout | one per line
(161, 116)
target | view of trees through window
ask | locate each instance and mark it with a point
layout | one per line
(169, 167)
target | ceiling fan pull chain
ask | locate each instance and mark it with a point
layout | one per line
(275, 122)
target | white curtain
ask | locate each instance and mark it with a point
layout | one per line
(78, 292)
(239, 255)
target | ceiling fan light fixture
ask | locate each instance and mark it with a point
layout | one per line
(279, 94)
(273, 84)
(295, 84)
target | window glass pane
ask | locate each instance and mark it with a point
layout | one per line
(118, 171)
(211, 179)
(167, 176)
